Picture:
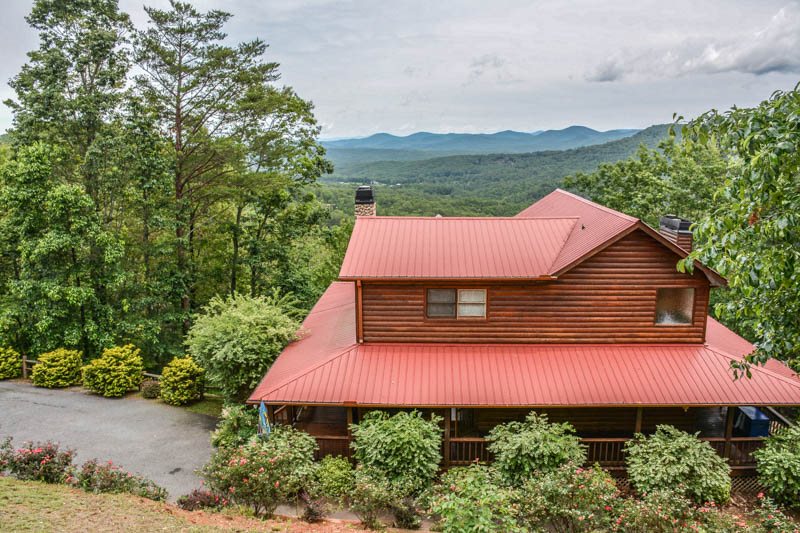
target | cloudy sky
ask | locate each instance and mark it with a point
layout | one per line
(479, 66)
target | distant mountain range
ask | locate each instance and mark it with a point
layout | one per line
(426, 145)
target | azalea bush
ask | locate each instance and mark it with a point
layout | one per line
(473, 498)
(569, 498)
(200, 499)
(236, 339)
(36, 461)
(117, 371)
(334, 476)
(405, 448)
(535, 445)
(109, 478)
(237, 425)
(10, 363)
(182, 381)
(263, 473)
(768, 518)
(674, 460)
(57, 369)
(665, 511)
(778, 465)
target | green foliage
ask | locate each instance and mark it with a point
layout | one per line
(665, 511)
(778, 465)
(236, 339)
(473, 499)
(674, 460)
(535, 445)
(334, 475)
(182, 381)
(569, 498)
(200, 499)
(108, 478)
(768, 518)
(750, 235)
(117, 371)
(238, 424)
(263, 473)
(39, 461)
(10, 363)
(404, 448)
(370, 496)
(57, 369)
(151, 389)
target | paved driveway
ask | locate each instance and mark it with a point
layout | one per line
(166, 444)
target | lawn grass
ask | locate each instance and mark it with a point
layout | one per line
(211, 406)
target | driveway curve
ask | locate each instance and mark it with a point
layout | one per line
(164, 443)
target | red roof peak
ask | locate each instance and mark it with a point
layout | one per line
(593, 204)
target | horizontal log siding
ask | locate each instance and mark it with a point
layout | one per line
(610, 298)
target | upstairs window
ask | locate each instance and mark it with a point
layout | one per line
(674, 307)
(456, 303)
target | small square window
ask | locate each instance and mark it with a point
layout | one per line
(674, 306)
(452, 303)
(472, 303)
(441, 303)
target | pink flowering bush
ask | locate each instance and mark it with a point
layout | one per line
(570, 498)
(36, 461)
(770, 519)
(202, 499)
(667, 511)
(263, 473)
(107, 477)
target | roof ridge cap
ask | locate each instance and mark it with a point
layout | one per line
(511, 218)
(597, 206)
(760, 368)
(564, 242)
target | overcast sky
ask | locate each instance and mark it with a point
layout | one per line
(481, 66)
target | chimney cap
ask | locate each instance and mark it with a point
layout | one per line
(675, 223)
(364, 195)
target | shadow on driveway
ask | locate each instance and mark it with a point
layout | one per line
(164, 443)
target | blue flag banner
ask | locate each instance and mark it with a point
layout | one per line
(263, 421)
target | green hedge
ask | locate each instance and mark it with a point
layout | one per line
(59, 368)
(116, 372)
(182, 381)
(10, 363)
(778, 465)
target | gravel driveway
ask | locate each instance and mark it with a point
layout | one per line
(166, 444)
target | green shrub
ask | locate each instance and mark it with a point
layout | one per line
(57, 369)
(237, 339)
(263, 473)
(535, 445)
(778, 466)
(334, 477)
(473, 498)
(10, 363)
(370, 496)
(200, 499)
(664, 511)
(405, 448)
(239, 423)
(151, 389)
(117, 371)
(36, 461)
(108, 478)
(767, 518)
(674, 460)
(569, 498)
(182, 381)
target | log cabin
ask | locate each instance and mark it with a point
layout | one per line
(569, 308)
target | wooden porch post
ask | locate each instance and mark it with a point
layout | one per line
(638, 427)
(447, 438)
(349, 420)
(271, 414)
(728, 430)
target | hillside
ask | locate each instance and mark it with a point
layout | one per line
(493, 184)
(423, 145)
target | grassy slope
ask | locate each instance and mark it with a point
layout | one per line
(33, 506)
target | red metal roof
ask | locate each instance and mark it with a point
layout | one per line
(327, 367)
(454, 247)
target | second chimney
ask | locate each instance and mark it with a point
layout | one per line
(365, 202)
(676, 229)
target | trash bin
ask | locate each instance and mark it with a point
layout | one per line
(750, 422)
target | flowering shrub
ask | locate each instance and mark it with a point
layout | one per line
(57, 369)
(36, 461)
(473, 499)
(107, 477)
(262, 474)
(404, 448)
(201, 499)
(665, 511)
(770, 519)
(238, 424)
(182, 381)
(522, 448)
(569, 498)
(778, 465)
(10, 363)
(117, 371)
(370, 496)
(151, 389)
(334, 476)
(674, 460)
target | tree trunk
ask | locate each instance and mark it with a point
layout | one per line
(235, 256)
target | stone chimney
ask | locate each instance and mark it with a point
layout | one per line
(365, 202)
(677, 230)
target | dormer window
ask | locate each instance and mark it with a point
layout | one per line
(456, 303)
(674, 307)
